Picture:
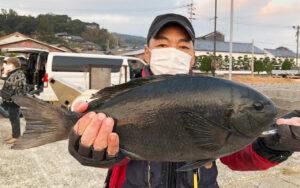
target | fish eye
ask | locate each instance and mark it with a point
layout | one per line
(258, 106)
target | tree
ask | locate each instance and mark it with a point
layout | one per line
(206, 64)
(266, 62)
(258, 66)
(240, 62)
(269, 68)
(286, 65)
(221, 62)
(246, 63)
(198, 60)
(275, 63)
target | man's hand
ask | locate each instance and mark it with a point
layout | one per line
(92, 141)
(288, 134)
(294, 121)
(96, 130)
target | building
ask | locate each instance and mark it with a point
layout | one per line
(64, 47)
(280, 54)
(136, 53)
(205, 46)
(17, 40)
(64, 36)
(210, 37)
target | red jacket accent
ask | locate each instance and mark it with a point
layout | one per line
(117, 177)
(247, 160)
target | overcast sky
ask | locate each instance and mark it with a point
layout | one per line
(268, 22)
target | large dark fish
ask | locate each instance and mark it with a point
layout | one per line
(164, 118)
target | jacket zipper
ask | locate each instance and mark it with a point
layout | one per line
(171, 175)
(149, 174)
(198, 172)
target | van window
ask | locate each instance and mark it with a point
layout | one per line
(80, 64)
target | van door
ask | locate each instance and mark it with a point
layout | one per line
(76, 70)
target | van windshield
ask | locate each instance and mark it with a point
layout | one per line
(81, 64)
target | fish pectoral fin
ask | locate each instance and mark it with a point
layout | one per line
(131, 155)
(194, 165)
(109, 92)
(205, 133)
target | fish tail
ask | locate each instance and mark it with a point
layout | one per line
(45, 123)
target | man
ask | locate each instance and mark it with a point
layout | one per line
(170, 50)
(15, 84)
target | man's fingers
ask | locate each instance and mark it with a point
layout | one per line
(80, 106)
(295, 121)
(106, 128)
(92, 130)
(83, 122)
(113, 144)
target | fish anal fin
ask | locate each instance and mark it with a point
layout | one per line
(194, 165)
(206, 134)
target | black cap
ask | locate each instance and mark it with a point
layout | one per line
(160, 21)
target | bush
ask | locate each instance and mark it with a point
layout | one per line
(206, 63)
(258, 66)
(286, 65)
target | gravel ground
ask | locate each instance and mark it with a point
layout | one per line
(52, 166)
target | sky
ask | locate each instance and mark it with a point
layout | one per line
(267, 22)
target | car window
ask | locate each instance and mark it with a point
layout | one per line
(80, 64)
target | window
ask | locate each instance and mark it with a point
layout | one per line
(81, 64)
(135, 68)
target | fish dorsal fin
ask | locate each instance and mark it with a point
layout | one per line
(194, 165)
(206, 134)
(108, 93)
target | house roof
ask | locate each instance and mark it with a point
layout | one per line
(202, 45)
(12, 34)
(13, 37)
(36, 42)
(212, 34)
(281, 53)
(135, 52)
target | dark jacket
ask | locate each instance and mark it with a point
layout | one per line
(15, 84)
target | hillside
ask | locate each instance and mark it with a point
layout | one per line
(44, 27)
(131, 40)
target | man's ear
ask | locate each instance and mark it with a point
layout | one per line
(192, 60)
(147, 54)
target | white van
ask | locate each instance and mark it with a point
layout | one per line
(75, 68)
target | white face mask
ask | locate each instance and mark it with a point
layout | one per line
(9, 67)
(6, 69)
(169, 61)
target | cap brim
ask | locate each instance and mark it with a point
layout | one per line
(167, 21)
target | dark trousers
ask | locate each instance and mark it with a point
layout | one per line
(14, 117)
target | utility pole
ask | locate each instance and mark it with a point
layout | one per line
(191, 9)
(297, 50)
(230, 47)
(107, 44)
(214, 63)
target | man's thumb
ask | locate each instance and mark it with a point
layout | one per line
(80, 106)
